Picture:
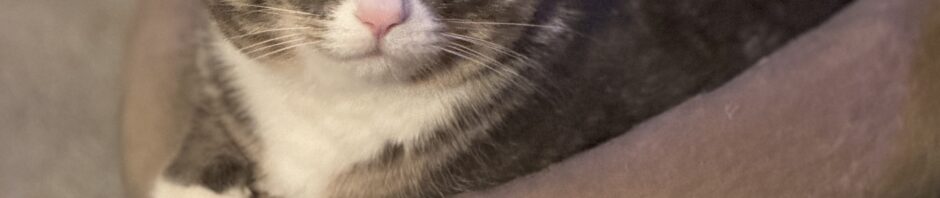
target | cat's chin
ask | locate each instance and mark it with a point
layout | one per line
(384, 67)
(376, 65)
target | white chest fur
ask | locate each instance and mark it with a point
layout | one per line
(311, 130)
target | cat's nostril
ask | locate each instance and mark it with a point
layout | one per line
(381, 15)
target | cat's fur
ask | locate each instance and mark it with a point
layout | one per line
(468, 93)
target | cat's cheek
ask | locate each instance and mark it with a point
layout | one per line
(418, 35)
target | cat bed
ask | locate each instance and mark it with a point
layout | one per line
(847, 110)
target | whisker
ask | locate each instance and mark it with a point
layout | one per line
(276, 9)
(552, 27)
(285, 49)
(479, 54)
(465, 57)
(512, 78)
(475, 57)
(274, 45)
(268, 41)
(271, 30)
(308, 16)
(490, 45)
(501, 23)
(503, 71)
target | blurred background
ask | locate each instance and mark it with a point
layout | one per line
(59, 90)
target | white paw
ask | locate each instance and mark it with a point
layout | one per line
(166, 189)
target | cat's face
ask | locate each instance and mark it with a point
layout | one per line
(376, 36)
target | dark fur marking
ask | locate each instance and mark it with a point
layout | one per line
(226, 172)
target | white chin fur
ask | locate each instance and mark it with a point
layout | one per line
(350, 43)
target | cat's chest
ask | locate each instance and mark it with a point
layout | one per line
(308, 136)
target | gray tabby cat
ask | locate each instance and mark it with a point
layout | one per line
(429, 98)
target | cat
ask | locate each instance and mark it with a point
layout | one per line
(430, 98)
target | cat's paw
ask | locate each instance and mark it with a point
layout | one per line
(167, 189)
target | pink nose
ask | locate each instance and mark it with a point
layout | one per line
(381, 15)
